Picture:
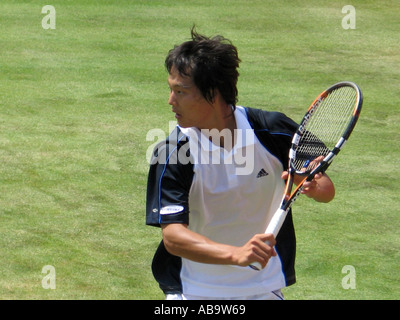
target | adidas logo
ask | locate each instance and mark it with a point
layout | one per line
(262, 173)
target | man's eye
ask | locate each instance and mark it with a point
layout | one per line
(179, 92)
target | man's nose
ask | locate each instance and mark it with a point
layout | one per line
(171, 100)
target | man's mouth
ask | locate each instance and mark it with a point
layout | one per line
(177, 115)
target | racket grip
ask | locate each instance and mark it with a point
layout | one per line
(276, 222)
(255, 266)
(273, 227)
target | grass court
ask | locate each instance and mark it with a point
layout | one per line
(77, 101)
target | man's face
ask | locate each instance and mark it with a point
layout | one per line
(188, 104)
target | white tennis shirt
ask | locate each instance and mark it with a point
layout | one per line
(229, 203)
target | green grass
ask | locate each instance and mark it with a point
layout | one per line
(76, 104)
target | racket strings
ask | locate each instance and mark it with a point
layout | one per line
(325, 127)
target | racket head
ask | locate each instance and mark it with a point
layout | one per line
(325, 128)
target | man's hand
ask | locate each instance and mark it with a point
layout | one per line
(320, 188)
(259, 248)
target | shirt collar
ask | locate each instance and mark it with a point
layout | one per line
(245, 135)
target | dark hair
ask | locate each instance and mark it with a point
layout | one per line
(210, 62)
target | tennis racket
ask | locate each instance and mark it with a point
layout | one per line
(321, 135)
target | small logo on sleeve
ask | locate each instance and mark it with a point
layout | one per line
(173, 209)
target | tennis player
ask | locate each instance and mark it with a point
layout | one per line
(216, 181)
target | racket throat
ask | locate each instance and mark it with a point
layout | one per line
(287, 203)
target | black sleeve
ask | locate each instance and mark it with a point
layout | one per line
(168, 186)
(169, 182)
